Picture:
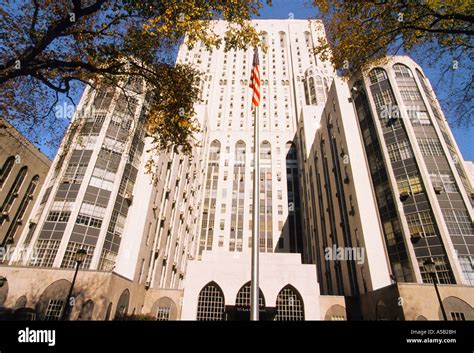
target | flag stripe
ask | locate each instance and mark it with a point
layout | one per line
(255, 80)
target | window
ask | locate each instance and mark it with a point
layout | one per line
(107, 260)
(430, 147)
(54, 310)
(418, 118)
(383, 98)
(338, 318)
(410, 184)
(210, 303)
(90, 215)
(467, 267)
(421, 224)
(377, 75)
(409, 93)
(402, 71)
(71, 250)
(13, 192)
(163, 314)
(443, 272)
(60, 211)
(266, 195)
(45, 252)
(458, 222)
(457, 316)
(289, 305)
(209, 205)
(74, 173)
(399, 151)
(243, 297)
(28, 196)
(6, 169)
(102, 178)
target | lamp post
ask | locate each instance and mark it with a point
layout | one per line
(80, 257)
(430, 267)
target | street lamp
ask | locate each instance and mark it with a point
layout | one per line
(430, 267)
(80, 257)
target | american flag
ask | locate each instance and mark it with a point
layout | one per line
(255, 80)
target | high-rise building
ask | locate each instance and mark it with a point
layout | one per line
(22, 174)
(99, 197)
(360, 183)
(386, 185)
(221, 272)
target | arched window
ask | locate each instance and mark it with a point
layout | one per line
(209, 207)
(22, 208)
(402, 71)
(312, 91)
(290, 305)
(6, 169)
(13, 193)
(319, 91)
(210, 303)
(266, 214)
(377, 75)
(164, 309)
(243, 297)
(238, 199)
(122, 305)
(108, 312)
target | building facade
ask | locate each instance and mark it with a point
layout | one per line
(386, 188)
(227, 205)
(99, 197)
(22, 175)
(359, 185)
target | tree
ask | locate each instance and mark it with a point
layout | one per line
(361, 33)
(53, 48)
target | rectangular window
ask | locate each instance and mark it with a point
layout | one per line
(421, 224)
(91, 215)
(163, 314)
(457, 316)
(45, 252)
(399, 151)
(430, 147)
(54, 310)
(70, 254)
(409, 93)
(410, 184)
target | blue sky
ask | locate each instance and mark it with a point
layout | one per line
(299, 9)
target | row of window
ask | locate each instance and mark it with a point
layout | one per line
(211, 303)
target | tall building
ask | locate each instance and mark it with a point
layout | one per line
(359, 185)
(23, 172)
(386, 185)
(99, 197)
(221, 271)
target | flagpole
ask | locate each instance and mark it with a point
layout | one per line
(254, 290)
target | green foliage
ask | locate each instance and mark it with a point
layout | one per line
(361, 33)
(55, 47)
